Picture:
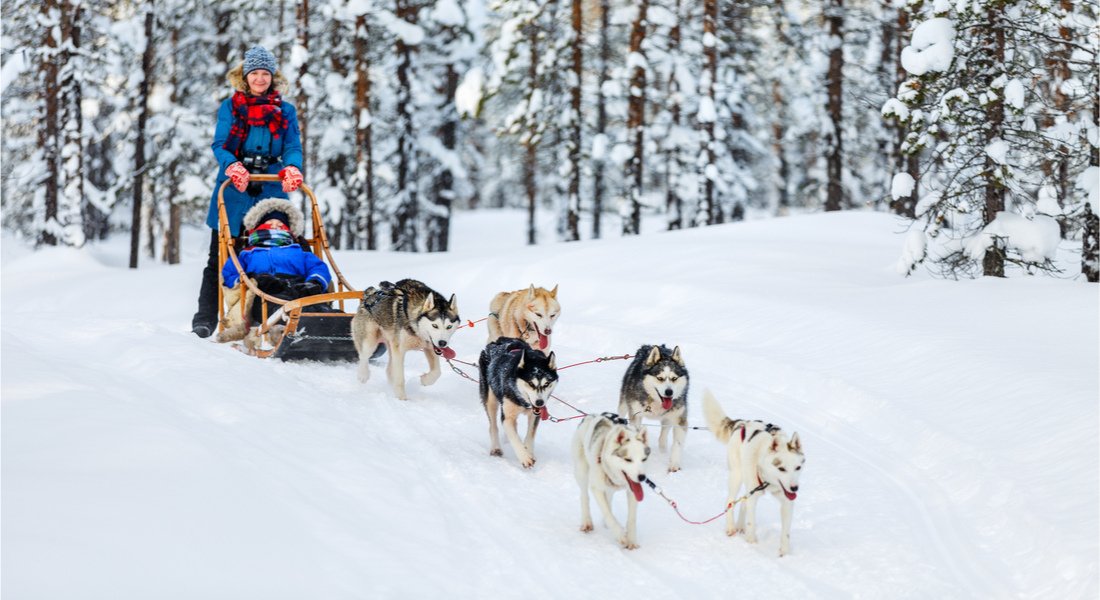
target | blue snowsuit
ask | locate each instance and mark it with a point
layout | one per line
(282, 260)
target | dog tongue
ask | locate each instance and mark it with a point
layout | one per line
(666, 403)
(636, 488)
(543, 413)
(445, 352)
(543, 341)
(790, 495)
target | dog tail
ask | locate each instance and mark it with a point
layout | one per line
(717, 421)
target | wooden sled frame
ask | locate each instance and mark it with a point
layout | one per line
(318, 244)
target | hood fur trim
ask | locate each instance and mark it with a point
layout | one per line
(297, 219)
(235, 77)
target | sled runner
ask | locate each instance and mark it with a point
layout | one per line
(306, 335)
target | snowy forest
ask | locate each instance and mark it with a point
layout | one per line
(975, 122)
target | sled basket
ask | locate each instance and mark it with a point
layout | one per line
(306, 335)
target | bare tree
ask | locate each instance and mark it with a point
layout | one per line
(636, 121)
(139, 143)
(834, 139)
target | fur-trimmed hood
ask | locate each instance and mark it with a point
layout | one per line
(297, 219)
(235, 77)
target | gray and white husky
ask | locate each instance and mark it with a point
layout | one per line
(406, 315)
(609, 454)
(760, 455)
(655, 386)
(515, 380)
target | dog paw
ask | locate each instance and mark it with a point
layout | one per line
(731, 532)
(628, 544)
(496, 452)
(673, 468)
(429, 378)
(364, 375)
(586, 527)
(750, 538)
(784, 550)
(527, 461)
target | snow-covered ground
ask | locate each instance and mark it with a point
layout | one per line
(950, 427)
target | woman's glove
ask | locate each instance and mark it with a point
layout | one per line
(238, 175)
(292, 178)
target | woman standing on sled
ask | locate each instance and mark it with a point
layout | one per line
(257, 132)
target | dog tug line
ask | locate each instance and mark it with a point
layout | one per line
(581, 414)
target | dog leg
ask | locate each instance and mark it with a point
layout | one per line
(786, 507)
(679, 433)
(630, 542)
(750, 523)
(365, 348)
(511, 413)
(395, 371)
(492, 407)
(603, 499)
(662, 441)
(433, 368)
(734, 487)
(580, 471)
(532, 429)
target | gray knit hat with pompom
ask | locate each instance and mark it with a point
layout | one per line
(258, 57)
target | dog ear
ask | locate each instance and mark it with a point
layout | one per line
(554, 292)
(550, 362)
(429, 302)
(654, 356)
(454, 304)
(677, 357)
(775, 444)
(531, 292)
(621, 437)
(522, 355)
(645, 440)
(795, 445)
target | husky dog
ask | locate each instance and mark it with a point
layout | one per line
(760, 455)
(609, 454)
(655, 386)
(515, 380)
(405, 316)
(526, 314)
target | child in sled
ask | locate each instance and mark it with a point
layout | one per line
(279, 266)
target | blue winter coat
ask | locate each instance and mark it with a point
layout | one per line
(287, 147)
(286, 260)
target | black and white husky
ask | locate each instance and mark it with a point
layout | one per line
(760, 456)
(515, 380)
(655, 386)
(609, 454)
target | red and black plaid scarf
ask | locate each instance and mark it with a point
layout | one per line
(255, 111)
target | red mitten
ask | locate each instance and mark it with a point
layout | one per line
(238, 175)
(292, 178)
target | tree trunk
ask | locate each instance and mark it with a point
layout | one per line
(403, 233)
(48, 138)
(139, 143)
(171, 252)
(530, 159)
(439, 222)
(71, 166)
(903, 162)
(302, 100)
(364, 151)
(710, 74)
(674, 204)
(993, 265)
(834, 160)
(572, 214)
(1090, 245)
(635, 122)
(601, 116)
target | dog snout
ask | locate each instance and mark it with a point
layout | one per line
(539, 403)
(547, 331)
(442, 343)
(794, 488)
(668, 392)
(641, 477)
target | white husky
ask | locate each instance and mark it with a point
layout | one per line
(760, 456)
(608, 455)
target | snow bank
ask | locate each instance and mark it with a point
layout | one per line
(1035, 240)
